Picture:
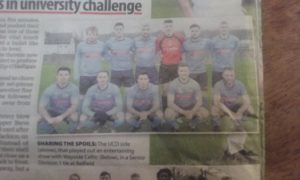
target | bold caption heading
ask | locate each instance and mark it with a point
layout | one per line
(74, 6)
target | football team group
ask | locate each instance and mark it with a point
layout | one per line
(159, 80)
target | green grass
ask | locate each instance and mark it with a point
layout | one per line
(165, 9)
(193, 149)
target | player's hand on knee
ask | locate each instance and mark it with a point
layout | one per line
(57, 119)
(83, 118)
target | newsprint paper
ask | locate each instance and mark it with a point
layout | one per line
(131, 89)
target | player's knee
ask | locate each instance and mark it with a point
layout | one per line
(159, 114)
(204, 113)
(169, 114)
(74, 116)
(83, 118)
(120, 116)
(128, 117)
(215, 111)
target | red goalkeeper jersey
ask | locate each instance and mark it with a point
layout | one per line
(170, 48)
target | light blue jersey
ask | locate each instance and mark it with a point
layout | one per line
(223, 52)
(143, 99)
(106, 100)
(120, 53)
(196, 51)
(230, 96)
(88, 59)
(59, 100)
(145, 51)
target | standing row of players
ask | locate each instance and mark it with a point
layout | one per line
(172, 47)
(181, 97)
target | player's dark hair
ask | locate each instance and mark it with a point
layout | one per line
(104, 71)
(104, 173)
(134, 175)
(182, 65)
(164, 170)
(91, 29)
(142, 73)
(194, 26)
(119, 24)
(228, 69)
(63, 69)
(168, 21)
(74, 174)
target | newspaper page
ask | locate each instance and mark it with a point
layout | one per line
(131, 89)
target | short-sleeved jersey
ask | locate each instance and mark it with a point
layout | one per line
(223, 52)
(58, 99)
(87, 59)
(217, 8)
(120, 53)
(185, 94)
(102, 100)
(196, 51)
(170, 48)
(143, 100)
(145, 51)
(230, 96)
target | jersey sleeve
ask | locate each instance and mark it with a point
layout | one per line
(236, 43)
(45, 98)
(118, 100)
(106, 51)
(75, 95)
(158, 41)
(197, 89)
(156, 94)
(130, 96)
(242, 89)
(217, 89)
(180, 36)
(171, 89)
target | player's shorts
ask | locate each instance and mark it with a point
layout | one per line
(124, 78)
(201, 78)
(86, 82)
(167, 73)
(234, 108)
(216, 76)
(151, 71)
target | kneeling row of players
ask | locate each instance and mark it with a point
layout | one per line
(103, 104)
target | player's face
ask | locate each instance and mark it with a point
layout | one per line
(229, 77)
(119, 31)
(224, 30)
(183, 73)
(102, 79)
(168, 29)
(164, 176)
(74, 178)
(143, 81)
(91, 36)
(146, 31)
(63, 77)
(195, 32)
(105, 177)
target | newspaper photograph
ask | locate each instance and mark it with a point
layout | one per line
(134, 89)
